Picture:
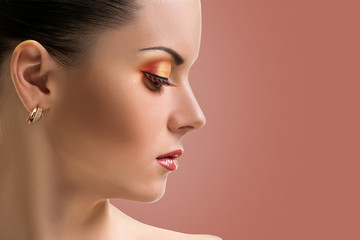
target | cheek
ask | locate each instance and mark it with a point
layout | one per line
(105, 128)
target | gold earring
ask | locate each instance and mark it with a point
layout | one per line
(34, 116)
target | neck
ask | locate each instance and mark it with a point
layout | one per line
(35, 201)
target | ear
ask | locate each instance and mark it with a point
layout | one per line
(30, 67)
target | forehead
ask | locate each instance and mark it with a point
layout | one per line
(171, 23)
(175, 18)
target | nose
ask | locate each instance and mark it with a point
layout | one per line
(187, 114)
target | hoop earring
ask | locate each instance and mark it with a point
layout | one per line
(35, 115)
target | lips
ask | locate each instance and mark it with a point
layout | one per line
(169, 161)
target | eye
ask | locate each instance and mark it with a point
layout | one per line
(156, 81)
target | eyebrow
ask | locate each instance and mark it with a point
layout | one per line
(176, 56)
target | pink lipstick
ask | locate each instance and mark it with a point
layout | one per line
(168, 160)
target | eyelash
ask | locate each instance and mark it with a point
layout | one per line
(157, 81)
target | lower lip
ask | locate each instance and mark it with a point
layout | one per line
(168, 163)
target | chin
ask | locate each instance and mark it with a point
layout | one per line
(153, 194)
(147, 193)
(151, 199)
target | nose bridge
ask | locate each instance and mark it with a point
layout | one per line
(187, 114)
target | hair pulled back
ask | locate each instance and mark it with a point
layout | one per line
(64, 27)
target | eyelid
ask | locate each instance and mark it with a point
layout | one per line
(160, 68)
(158, 79)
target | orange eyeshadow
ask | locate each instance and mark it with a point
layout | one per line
(160, 68)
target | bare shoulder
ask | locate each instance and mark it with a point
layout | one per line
(140, 231)
(158, 233)
(203, 237)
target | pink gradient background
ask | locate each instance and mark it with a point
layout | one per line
(279, 157)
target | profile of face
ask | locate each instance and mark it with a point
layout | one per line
(128, 104)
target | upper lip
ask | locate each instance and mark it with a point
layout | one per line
(173, 154)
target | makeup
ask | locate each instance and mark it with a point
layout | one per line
(170, 164)
(157, 80)
(161, 68)
(169, 160)
(158, 73)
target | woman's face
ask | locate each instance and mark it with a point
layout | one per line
(109, 121)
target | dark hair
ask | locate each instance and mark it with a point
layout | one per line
(64, 27)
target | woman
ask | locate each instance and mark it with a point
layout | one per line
(103, 87)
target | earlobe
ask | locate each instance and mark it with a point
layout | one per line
(30, 66)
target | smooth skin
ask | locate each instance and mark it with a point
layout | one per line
(102, 129)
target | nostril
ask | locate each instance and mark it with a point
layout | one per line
(196, 123)
(187, 128)
(186, 116)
